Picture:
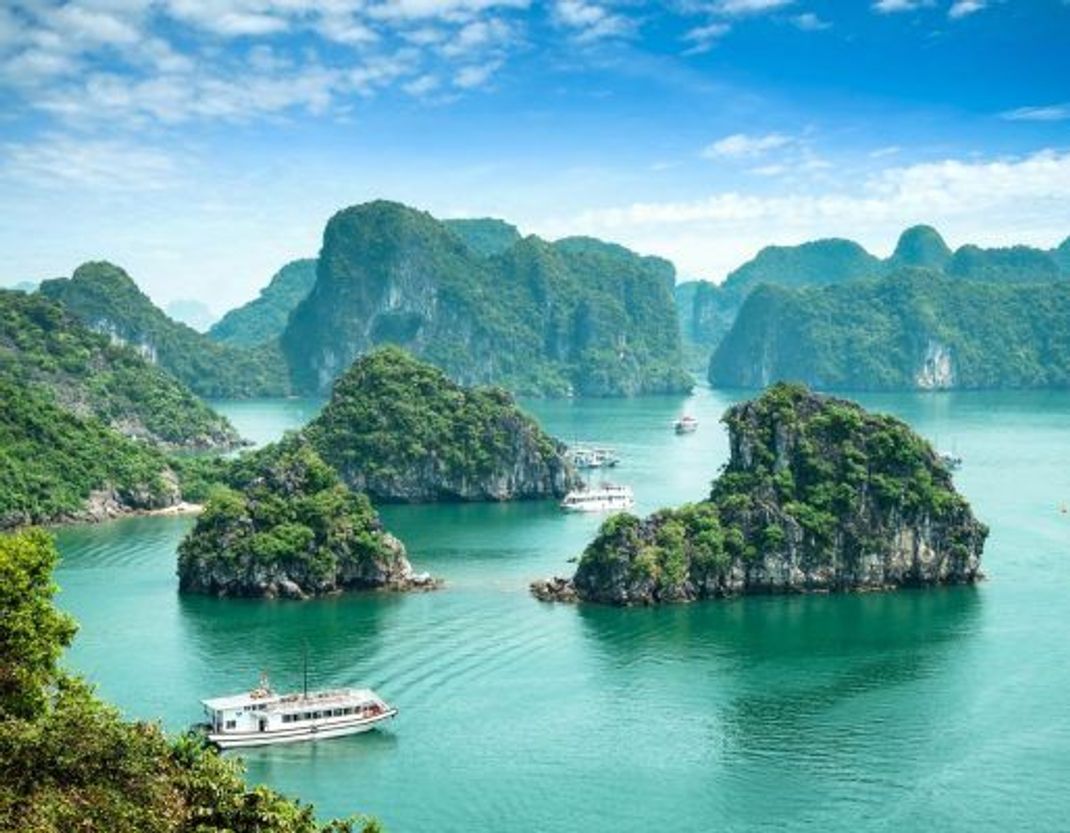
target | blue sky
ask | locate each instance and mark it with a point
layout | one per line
(203, 143)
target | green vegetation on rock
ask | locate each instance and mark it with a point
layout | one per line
(543, 318)
(108, 301)
(921, 246)
(55, 465)
(263, 319)
(912, 329)
(43, 347)
(484, 235)
(400, 430)
(818, 263)
(69, 762)
(818, 495)
(1016, 264)
(286, 525)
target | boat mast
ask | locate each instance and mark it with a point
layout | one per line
(306, 671)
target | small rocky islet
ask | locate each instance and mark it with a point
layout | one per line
(819, 495)
(294, 519)
(286, 525)
(403, 432)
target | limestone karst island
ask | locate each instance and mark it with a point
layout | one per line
(534, 415)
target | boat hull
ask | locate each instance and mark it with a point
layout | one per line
(295, 734)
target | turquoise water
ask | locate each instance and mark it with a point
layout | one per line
(942, 710)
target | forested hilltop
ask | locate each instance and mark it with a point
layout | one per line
(400, 430)
(87, 426)
(44, 347)
(708, 311)
(535, 317)
(818, 495)
(284, 524)
(914, 329)
(108, 301)
(69, 761)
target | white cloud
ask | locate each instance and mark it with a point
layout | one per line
(743, 145)
(592, 21)
(476, 75)
(704, 38)
(893, 6)
(1008, 200)
(1051, 112)
(422, 86)
(888, 150)
(962, 8)
(810, 22)
(62, 161)
(745, 7)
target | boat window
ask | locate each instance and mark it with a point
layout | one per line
(317, 715)
(347, 711)
(231, 724)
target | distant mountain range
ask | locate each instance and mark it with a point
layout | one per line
(577, 316)
(708, 311)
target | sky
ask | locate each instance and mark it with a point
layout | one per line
(202, 144)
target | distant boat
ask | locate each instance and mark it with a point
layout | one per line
(686, 425)
(592, 457)
(952, 461)
(605, 498)
(261, 717)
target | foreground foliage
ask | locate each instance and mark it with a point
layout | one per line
(70, 762)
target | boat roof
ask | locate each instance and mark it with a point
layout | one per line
(270, 698)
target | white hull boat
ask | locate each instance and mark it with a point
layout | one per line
(262, 717)
(605, 498)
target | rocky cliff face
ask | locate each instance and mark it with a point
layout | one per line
(289, 527)
(401, 431)
(535, 317)
(818, 495)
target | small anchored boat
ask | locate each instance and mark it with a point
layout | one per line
(605, 498)
(685, 425)
(261, 717)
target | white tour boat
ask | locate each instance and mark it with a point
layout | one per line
(604, 498)
(686, 425)
(592, 457)
(262, 717)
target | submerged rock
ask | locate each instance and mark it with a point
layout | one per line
(288, 527)
(819, 495)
